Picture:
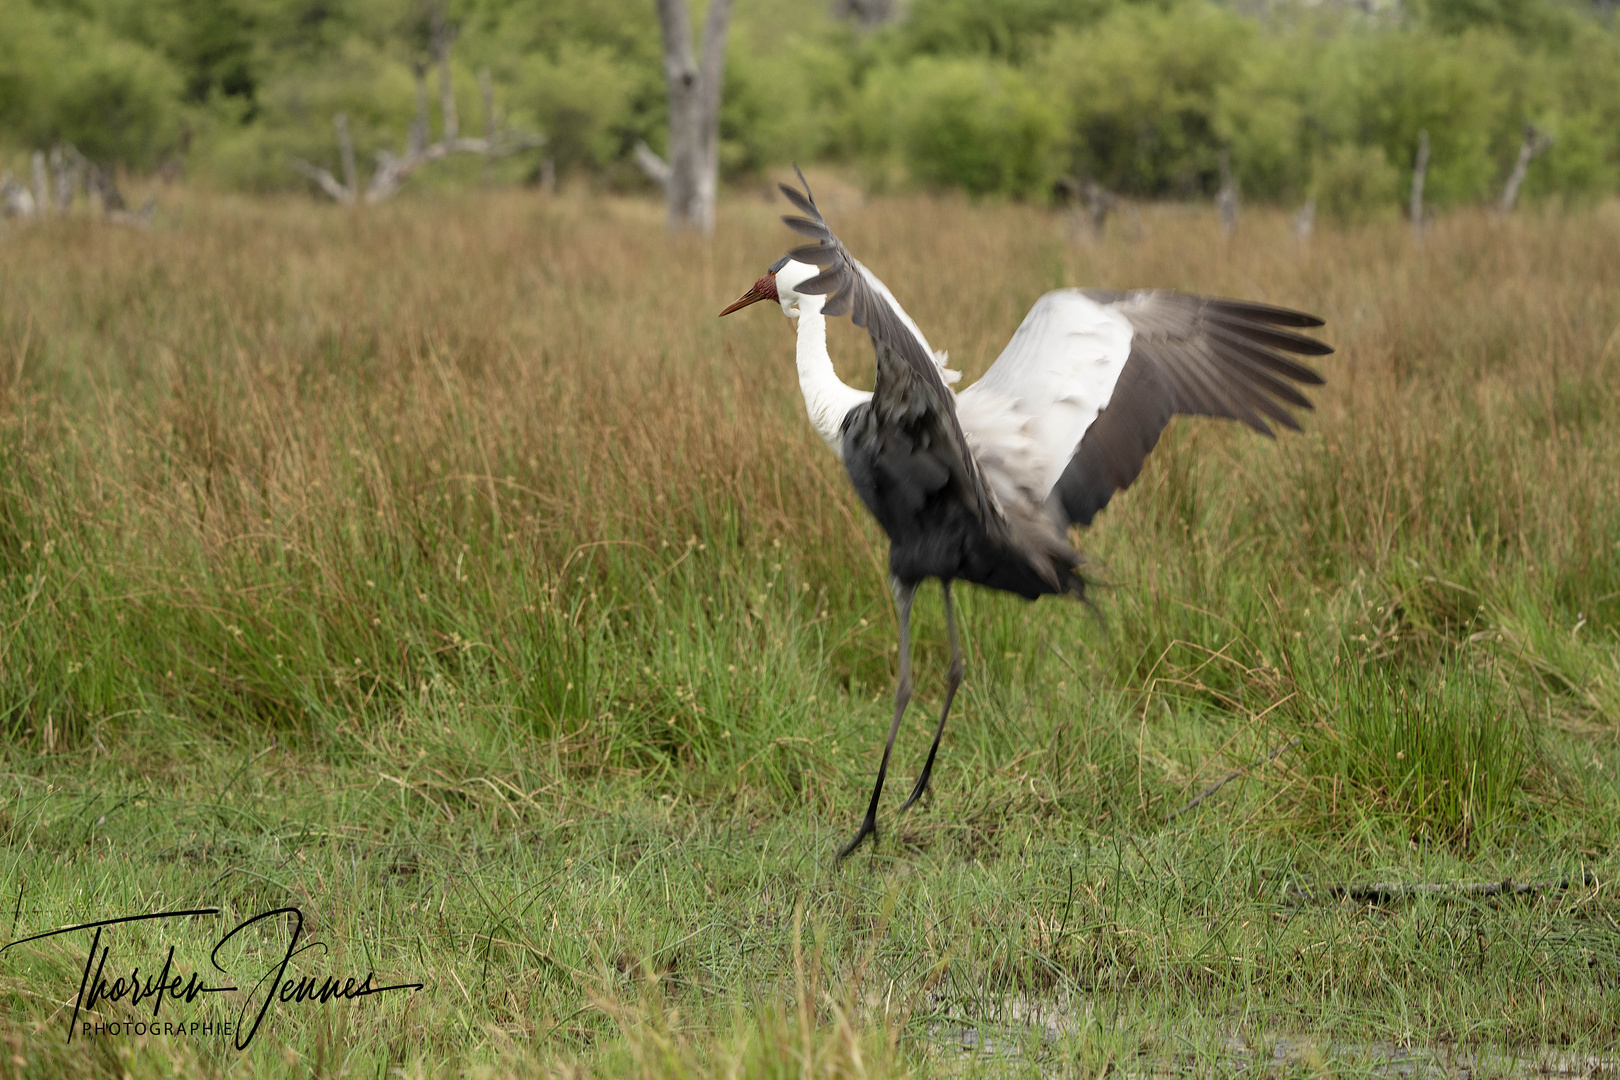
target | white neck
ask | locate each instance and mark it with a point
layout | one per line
(826, 397)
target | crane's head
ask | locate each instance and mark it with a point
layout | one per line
(779, 284)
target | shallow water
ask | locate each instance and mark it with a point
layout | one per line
(1043, 1033)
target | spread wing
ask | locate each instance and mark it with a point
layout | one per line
(904, 358)
(1193, 355)
(1027, 414)
(1078, 399)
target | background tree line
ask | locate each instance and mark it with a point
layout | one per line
(988, 96)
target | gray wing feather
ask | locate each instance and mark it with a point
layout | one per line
(1192, 355)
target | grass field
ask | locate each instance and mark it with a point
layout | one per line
(448, 571)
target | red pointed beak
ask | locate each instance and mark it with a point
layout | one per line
(764, 289)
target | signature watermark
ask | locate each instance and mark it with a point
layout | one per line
(273, 986)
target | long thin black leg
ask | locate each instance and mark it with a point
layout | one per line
(903, 594)
(953, 679)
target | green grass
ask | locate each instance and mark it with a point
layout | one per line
(449, 572)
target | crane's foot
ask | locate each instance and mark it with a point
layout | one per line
(916, 792)
(922, 781)
(868, 828)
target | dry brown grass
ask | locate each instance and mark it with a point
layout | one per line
(263, 406)
(571, 344)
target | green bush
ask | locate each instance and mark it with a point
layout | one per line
(1578, 166)
(1010, 30)
(1381, 89)
(1141, 89)
(973, 124)
(64, 77)
(581, 98)
(1356, 184)
(1527, 20)
(1262, 114)
(982, 95)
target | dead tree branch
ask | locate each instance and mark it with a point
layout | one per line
(656, 168)
(444, 35)
(342, 191)
(416, 136)
(1379, 892)
(486, 93)
(67, 164)
(1098, 203)
(393, 170)
(1536, 142)
(15, 199)
(1226, 200)
(57, 178)
(1420, 174)
(346, 152)
(1304, 219)
(42, 191)
(1233, 775)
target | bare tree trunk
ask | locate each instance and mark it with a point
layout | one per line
(346, 191)
(1226, 201)
(42, 186)
(417, 136)
(60, 179)
(1535, 144)
(346, 153)
(444, 34)
(15, 200)
(693, 171)
(66, 162)
(1305, 219)
(1420, 173)
(486, 92)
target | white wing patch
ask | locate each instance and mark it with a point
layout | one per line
(1026, 416)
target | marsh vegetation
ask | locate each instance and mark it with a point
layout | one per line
(449, 571)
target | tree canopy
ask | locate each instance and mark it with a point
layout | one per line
(989, 96)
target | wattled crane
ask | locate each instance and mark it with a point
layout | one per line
(983, 486)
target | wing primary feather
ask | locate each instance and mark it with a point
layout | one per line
(838, 305)
(825, 282)
(818, 254)
(805, 205)
(1256, 396)
(1277, 316)
(1265, 380)
(1261, 356)
(1216, 396)
(1268, 335)
(806, 227)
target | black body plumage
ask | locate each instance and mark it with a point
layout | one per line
(891, 452)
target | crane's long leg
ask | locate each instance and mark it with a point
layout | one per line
(903, 595)
(953, 679)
